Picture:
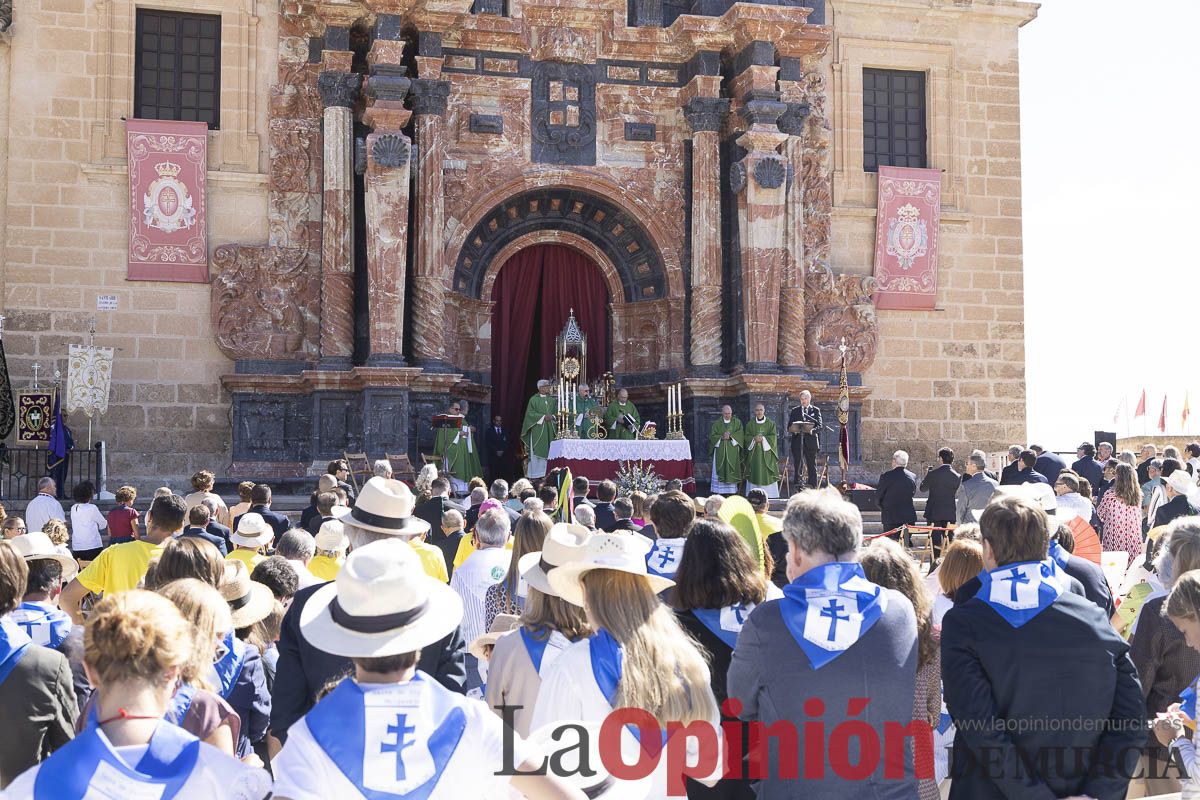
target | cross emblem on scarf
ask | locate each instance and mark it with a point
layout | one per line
(1015, 578)
(832, 611)
(403, 741)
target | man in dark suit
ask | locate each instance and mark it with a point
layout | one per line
(623, 511)
(942, 483)
(606, 519)
(260, 503)
(580, 486)
(495, 442)
(1087, 466)
(1027, 474)
(198, 518)
(439, 503)
(895, 494)
(325, 503)
(806, 445)
(1179, 488)
(214, 527)
(1149, 453)
(1008, 475)
(1005, 649)
(1048, 464)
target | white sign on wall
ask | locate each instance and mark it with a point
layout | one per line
(106, 302)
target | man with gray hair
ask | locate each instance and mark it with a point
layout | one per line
(383, 468)
(1148, 454)
(837, 635)
(44, 507)
(499, 492)
(482, 570)
(298, 547)
(805, 444)
(1008, 475)
(976, 490)
(895, 494)
(585, 515)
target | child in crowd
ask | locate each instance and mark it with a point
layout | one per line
(86, 523)
(123, 519)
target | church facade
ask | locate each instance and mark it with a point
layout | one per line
(393, 185)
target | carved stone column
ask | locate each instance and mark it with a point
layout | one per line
(759, 182)
(791, 296)
(339, 91)
(429, 284)
(704, 115)
(387, 181)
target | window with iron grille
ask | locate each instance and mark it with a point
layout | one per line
(177, 67)
(893, 119)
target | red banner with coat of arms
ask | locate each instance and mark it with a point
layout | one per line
(168, 228)
(906, 238)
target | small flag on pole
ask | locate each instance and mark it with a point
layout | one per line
(1117, 413)
(1162, 418)
(1186, 410)
(1140, 411)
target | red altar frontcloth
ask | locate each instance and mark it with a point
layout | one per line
(600, 459)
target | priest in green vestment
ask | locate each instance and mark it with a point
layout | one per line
(537, 429)
(726, 446)
(459, 451)
(586, 408)
(616, 418)
(762, 453)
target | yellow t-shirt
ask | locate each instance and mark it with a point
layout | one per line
(251, 558)
(119, 568)
(324, 567)
(465, 548)
(432, 560)
(769, 524)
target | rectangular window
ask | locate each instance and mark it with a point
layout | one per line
(893, 119)
(177, 67)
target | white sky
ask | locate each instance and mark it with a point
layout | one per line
(1110, 137)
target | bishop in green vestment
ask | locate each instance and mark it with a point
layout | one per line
(618, 409)
(537, 429)
(585, 407)
(444, 435)
(762, 453)
(726, 446)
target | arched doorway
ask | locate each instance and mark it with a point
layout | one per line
(534, 292)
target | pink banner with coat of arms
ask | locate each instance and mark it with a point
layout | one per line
(906, 238)
(168, 228)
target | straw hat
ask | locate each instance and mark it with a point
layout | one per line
(252, 531)
(248, 600)
(332, 536)
(37, 545)
(502, 624)
(384, 506)
(565, 542)
(381, 604)
(596, 782)
(1181, 482)
(604, 551)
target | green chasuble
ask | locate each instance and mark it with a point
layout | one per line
(762, 458)
(617, 409)
(461, 451)
(537, 433)
(727, 453)
(583, 420)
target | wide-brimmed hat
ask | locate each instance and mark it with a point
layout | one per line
(566, 736)
(1181, 482)
(332, 536)
(385, 506)
(35, 545)
(502, 624)
(604, 551)
(565, 542)
(381, 604)
(252, 531)
(249, 601)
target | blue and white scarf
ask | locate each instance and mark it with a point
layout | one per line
(664, 557)
(725, 623)
(89, 766)
(553, 643)
(1059, 554)
(608, 663)
(390, 742)
(14, 643)
(1019, 592)
(231, 656)
(44, 623)
(829, 608)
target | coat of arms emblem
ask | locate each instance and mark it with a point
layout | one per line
(167, 204)
(907, 236)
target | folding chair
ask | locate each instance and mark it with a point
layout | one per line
(402, 468)
(359, 465)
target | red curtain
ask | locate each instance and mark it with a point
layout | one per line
(534, 292)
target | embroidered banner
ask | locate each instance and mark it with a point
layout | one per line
(906, 238)
(35, 415)
(168, 229)
(89, 376)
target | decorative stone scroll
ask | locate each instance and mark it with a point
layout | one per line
(265, 302)
(837, 306)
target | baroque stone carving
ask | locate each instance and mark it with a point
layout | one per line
(390, 150)
(770, 173)
(339, 88)
(839, 306)
(6, 15)
(737, 177)
(264, 303)
(564, 114)
(791, 121)
(429, 96)
(295, 96)
(706, 113)
(816, 182)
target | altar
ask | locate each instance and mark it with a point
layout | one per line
(598, 459)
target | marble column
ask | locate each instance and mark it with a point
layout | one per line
(704, 114)
(387, 182)
(429, 282)
(791, 296)
(339, 91)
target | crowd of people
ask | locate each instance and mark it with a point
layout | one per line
(526, 640)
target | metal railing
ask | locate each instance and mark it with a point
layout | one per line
(22, 467)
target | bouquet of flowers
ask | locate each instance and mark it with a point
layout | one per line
(638, 477)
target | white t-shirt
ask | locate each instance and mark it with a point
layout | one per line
(482, 570)
(86, 523)
(41, 510)
(304, 772)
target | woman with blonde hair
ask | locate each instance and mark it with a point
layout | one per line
(187, 557)
(137, 647)
(202, 485)
(638, 500)
(962, 561)
(639, 656)
(245, 492)
(509, 595)
(1120, 511)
